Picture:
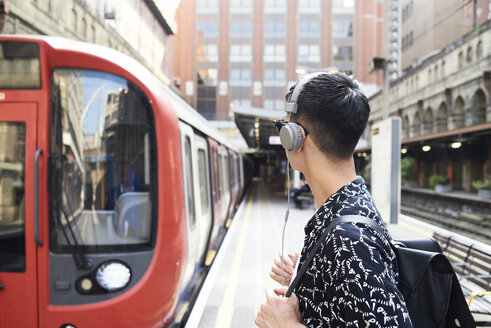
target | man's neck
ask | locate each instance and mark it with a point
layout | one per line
(325, 177)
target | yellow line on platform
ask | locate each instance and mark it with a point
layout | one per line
(226, 309)
(418, 230)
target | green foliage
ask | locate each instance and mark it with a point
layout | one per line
(408, 173)
(480, 185)
(366, 174)
(438, 180)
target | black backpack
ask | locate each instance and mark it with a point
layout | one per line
(427, 280)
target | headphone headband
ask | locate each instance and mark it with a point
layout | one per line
(292, 106)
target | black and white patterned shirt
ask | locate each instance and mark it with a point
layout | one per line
(352, 280)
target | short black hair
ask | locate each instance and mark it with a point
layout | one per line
(333, 109)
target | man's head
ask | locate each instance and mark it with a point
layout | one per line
(334, 111)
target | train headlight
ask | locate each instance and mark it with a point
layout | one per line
(113, 275)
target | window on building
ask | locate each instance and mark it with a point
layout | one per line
(207, 100)
(241, 6)
(461, 59)
(240, 77)
(343, 53)
(207, 53)
(207, 6)
(343, 29)
(274, 29)
(479, 50)
(308, 28)
(274, 77)
(274, 53)
(208, 76)
(344, 4)
(207, 29)
(275, 6)
(469, 54)
(274, 104)
(240, 28)
(309, 53)
(241, 103)
(309, 6)
(240, 53)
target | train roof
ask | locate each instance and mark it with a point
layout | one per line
(183, 110)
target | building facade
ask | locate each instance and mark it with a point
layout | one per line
(444, 103)
(142, 29)
(245, 52)
(437, 24)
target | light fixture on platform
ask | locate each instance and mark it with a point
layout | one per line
(426, 148)
(456, 145)
(403, 150)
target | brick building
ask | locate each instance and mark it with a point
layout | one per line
(245, 52)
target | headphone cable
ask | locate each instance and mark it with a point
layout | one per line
(286, 217)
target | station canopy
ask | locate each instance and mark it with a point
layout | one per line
(257, 127)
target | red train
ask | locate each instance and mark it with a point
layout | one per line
(114, 193)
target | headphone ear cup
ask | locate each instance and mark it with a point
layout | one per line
(291, 136)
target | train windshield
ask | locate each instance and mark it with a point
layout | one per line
(102, 163)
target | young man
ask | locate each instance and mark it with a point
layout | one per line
(352, 279)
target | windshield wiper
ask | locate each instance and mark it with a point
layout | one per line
(56, 165)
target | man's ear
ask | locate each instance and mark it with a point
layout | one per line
(303, 139)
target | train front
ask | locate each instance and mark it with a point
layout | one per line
(90, 234)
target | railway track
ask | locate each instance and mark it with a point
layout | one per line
(466, 215)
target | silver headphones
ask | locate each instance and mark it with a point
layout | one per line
(292, 134)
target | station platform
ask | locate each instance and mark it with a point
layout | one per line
(239, 276)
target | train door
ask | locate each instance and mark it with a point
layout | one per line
(18, 239)
(192, 211)
(225, 183)
(205, 219)
(233, 182)
(215, 197)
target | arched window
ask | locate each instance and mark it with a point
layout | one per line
(442, 120)
(478, 110)
(416, 127)
(479, 50)
(84, 28)
(469, 54)
(428, 121)
(405, 127)
(74, 20)
(458, 115)
(461, 59)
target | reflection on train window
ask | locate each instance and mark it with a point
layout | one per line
(102, 168)
(188, 162)
(224, 170)
(203, 182)
(12, 204)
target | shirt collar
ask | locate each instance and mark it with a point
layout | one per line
(334, 204)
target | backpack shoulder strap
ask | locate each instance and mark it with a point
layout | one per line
(335, 222)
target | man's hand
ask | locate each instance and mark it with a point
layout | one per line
(278, 311)
(289, 262)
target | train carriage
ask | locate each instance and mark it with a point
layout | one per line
(114, 192)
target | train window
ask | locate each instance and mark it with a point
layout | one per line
(203, 182)
(19, 65)
(218, 167)
(189, 182)
(102, 163)
(222, 177)
(12, 205)
(224, 170)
